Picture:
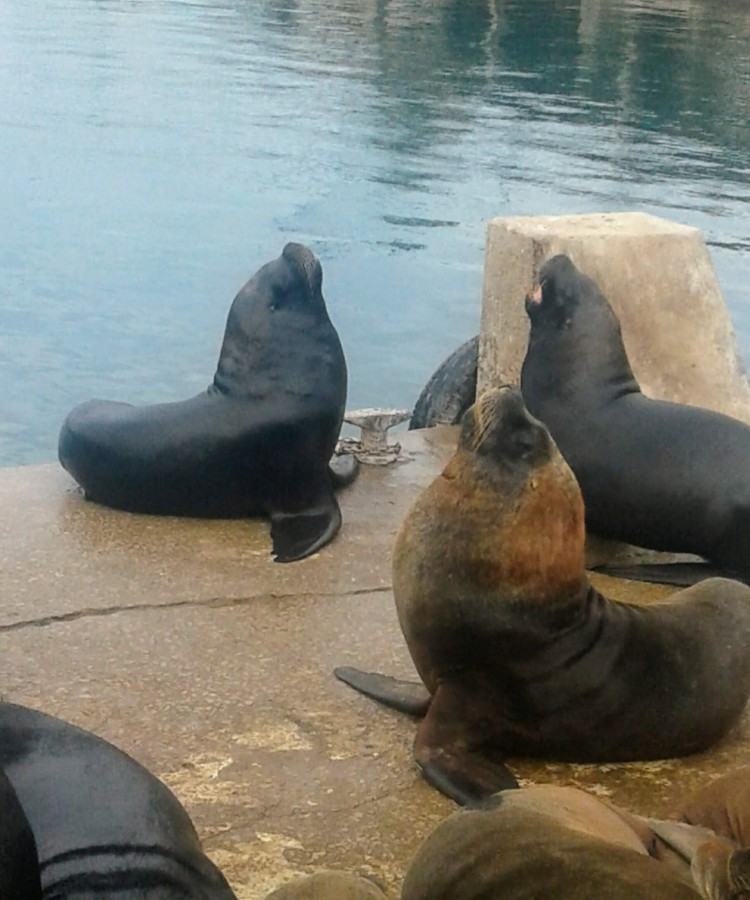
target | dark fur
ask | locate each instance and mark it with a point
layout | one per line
(656, 474)
(104, 826)
(258, 441)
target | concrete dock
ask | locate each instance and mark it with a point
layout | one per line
(183, 643)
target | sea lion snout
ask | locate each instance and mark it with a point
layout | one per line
(534, 296)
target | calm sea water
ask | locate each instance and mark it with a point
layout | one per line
(155, 152)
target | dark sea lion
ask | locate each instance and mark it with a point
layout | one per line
(258, 441)
(541, 841)
(19, 862)
(656, 474)
(518, 653)
(104, 826)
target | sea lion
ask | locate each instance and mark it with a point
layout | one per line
(710, 830)
(328, 885)
(518, 653)
(19, 861)
(656, 474)
(540, 841)
(258, 441)
(723, 805)
(103, 825)
(718, 867)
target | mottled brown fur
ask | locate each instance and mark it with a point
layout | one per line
(519, 654)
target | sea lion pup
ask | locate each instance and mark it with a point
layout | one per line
(656, 474)
(104, 826)
(518, 653)
(540, 841)
(257, 442)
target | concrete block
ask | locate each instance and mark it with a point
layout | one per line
(660, 281)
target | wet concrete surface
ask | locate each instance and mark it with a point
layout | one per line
(182, 642)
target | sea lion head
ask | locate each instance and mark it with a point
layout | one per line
(280, 307)
(556, 295)
(500, 430)
(575, 336)
(524, 498)
(564, 294)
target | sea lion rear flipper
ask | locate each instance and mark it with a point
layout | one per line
(410, 697)
(719, 868)
(297, 535)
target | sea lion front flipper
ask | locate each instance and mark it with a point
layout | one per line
(456, 753)
(410, 697)
(681, 837)
(720, 870)
(297, 535)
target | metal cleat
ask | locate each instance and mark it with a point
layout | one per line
(372, 447)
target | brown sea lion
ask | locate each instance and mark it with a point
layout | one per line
(719, 869)
(328, 885)
(541, 841)
(518, 653)
(723, 805)
(660, 475)
(720, 866)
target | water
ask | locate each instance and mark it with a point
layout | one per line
(155, 152)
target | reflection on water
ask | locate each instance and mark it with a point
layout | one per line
(155, 153)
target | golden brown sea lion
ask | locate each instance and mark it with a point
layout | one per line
(518, 653)
(720, 866)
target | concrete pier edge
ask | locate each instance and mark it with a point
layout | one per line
(183, 643)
